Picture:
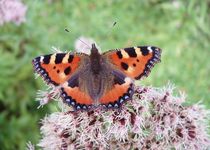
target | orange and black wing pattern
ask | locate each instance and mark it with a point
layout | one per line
(73, 96)
(135, 62)
(121, 91)
(61, 69)
(56, 68)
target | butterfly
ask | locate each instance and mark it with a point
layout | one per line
(106, 80)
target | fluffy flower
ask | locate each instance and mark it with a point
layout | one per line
(83, 45)
(153, 119)
(12, 11)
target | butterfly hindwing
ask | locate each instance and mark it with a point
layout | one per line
(56, 68)
(73, 96)
(135, 62)
(121, 91)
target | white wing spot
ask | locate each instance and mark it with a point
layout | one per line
(150, 49)
(41, 58)
(128, 80)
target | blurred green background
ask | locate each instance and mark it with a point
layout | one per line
(180, 28)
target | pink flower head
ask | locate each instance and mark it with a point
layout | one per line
(153, 119)
(12, 11)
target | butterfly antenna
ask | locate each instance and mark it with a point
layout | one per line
(110, 29)
(79, 39)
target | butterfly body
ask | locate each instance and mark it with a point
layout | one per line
(97, 79)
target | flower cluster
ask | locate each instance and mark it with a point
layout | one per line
(12, 11)
(153, 119)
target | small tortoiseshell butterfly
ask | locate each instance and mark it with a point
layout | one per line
(97, 79)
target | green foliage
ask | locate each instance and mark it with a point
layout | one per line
(180, 28)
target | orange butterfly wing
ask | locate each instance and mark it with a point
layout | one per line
(60, 69)
(135, 62)
(56, 68)
(121, 91)
(73, 96)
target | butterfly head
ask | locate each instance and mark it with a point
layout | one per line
(94, 49)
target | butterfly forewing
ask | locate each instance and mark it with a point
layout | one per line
(56, 68)
(135, 62)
